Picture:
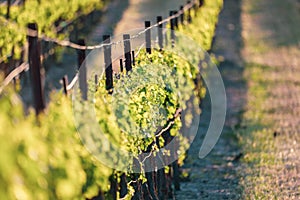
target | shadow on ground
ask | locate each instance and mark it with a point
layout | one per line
(216, 176)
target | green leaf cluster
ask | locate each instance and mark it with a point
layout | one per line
(44, 158)
(145, 100)
(202, 28)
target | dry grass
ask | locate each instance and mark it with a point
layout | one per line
(270, 133)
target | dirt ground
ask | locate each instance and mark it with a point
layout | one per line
(271, 37)
(259, 42)
(216, 176)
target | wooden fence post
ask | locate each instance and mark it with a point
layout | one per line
(82, 70)
(189, 17)
(182, 15)
(113, 186)
(123, 186)
(201, 2)
(133, 57)
(175, 19)
(150, 183)
(160, 32)
(169, 183)
(138, 193)
(176, 175)
(108, 63)
(161, 184)
(195, 7)
(8, 9)
(145, 192)
(65, 84)
(166, 39)
(148, 36)
(121, 65)
(172, 29)
(127, 52)
(96, 82)
(175, 166)
(35, 73)
(161, 179)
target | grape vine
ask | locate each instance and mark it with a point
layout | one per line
(44, 158)
(49, 15)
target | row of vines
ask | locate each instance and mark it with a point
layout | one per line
(44, 157)
(50, 17)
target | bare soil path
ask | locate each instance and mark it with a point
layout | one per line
(131, 15)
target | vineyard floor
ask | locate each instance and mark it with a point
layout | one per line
(271, 52)
(216, 176)
(263, 107)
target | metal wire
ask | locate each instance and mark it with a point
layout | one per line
(13, 74)
(72, 84)
(67, 43)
